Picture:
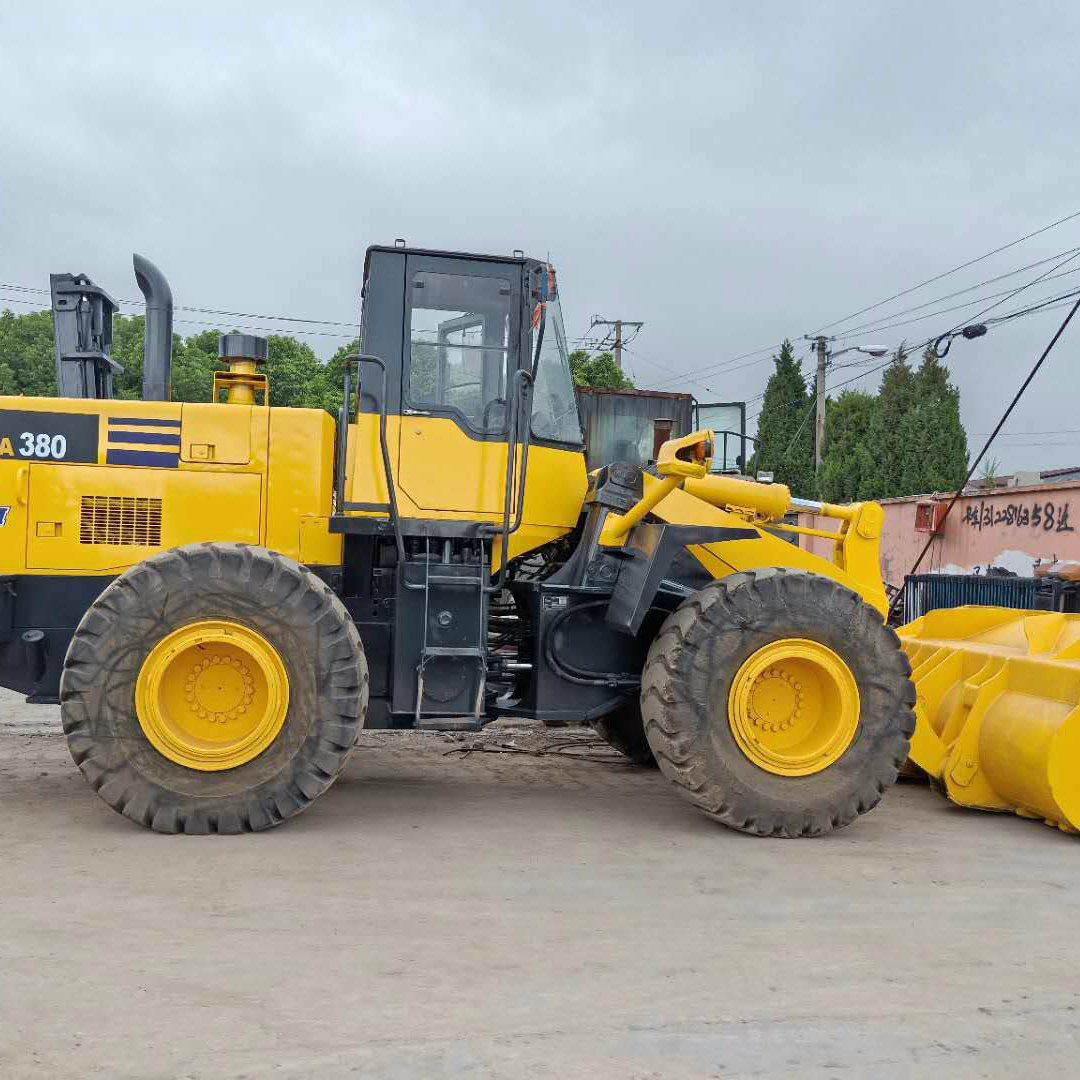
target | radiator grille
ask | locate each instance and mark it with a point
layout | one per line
(120, 519)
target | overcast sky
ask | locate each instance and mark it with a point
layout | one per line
(729, 174)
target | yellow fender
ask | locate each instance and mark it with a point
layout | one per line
(998, 709)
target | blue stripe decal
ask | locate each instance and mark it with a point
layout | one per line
(160, 438)
(159, 458)
(142, 421)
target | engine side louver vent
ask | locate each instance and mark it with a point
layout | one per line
(120, 519)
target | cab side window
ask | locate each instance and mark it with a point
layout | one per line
(459, 347)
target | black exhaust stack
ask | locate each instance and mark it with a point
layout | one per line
(157, 341)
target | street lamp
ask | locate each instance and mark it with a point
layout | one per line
(858, 348)
(823, 358)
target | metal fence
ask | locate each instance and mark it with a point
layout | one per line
(928, 592)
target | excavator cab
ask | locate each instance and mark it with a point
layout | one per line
(475, 358)
(459, 450)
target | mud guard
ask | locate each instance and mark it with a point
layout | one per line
(646, 558)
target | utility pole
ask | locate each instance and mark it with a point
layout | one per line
(819, 424)
(617, 325)
(823, 358)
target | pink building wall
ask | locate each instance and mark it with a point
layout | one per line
(1009, 527)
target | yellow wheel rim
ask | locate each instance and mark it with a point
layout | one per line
(794, 707)
(212, 695)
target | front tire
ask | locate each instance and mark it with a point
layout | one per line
(623, 730)
(214, 688)
(778, 703)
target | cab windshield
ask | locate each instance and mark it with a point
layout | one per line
(554, 412)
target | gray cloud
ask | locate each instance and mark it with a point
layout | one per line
(729, 174)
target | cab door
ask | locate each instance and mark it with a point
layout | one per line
(462, 323)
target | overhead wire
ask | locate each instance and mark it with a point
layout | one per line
(726, 367)
(986, 446)
(858, 333)
(271, 330)
(203, 310)
(721, 367)
(850, 331)
(947, 273)
(974, 319)
(1047, 302)
(959, 307)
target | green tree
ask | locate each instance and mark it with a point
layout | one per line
(785, 427)
(599, 371)
(195, 359)
(889, 438)
(989, 472)
(297, 378)
(26, 349)
(849, 468)
(127, 351)
(334, 376)
(934, 442)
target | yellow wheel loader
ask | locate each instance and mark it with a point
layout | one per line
(221, 595)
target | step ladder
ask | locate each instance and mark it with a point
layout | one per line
(468, 647)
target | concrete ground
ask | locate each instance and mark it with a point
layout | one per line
(500, 915)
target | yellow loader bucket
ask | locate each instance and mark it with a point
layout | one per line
(998, 709)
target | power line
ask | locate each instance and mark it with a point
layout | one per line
(873, 325)
(855, 332)
(883, 323)
(205, 310)
(31, 303)
(649, 360)
(862, 374)
(722, 366)
(937, 337)
(1022, 445)
(1044, 305)
(957, 307)
(617, 326)
(271, 330)
(986, 446)
(24, 288)
(1015, 434)
(947, 273)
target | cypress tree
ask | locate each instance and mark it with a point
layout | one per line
(895, 400)
(785, 427)
(849, 469)
(933, 436)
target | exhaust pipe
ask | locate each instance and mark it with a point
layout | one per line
(157, 342)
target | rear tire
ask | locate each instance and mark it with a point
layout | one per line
(290, 610)
(686, 699)
(624, 730)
